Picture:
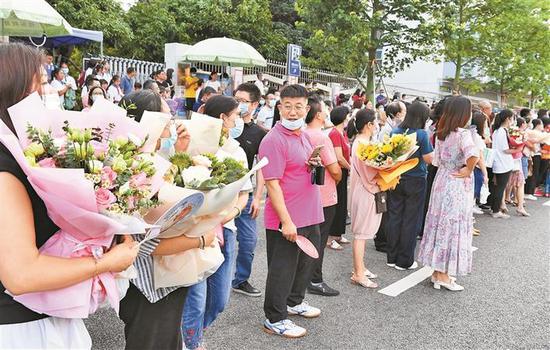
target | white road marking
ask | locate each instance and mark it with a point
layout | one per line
(408, 282)
(547, 204)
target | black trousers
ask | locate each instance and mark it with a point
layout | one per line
(405, 209)
(288, 272)
(338, 227)
(317, 276)
(189, 102)
(432, 171)
(380, 240)
(501, 180)
(152, 325)
(544, 164)
(532, 181)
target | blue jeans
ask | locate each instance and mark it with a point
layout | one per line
(247, 238)
(478, 182)
(207, 299)
(525, 166)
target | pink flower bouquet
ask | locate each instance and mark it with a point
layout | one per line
(97, 178)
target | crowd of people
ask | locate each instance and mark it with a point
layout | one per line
(467, 165)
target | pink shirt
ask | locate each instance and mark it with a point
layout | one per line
(288, 153)
(328, 156)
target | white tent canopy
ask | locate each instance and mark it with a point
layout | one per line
(31, 18)
(224, 51)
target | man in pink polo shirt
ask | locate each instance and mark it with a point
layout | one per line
(315, 121)
(293, 208)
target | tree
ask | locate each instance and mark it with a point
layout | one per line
(345, 34)
(104, 15)
(516, 56)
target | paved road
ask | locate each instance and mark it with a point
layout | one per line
(505, 304)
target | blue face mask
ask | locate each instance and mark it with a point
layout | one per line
(237, 130)
(243, 108)
(293, 124)
(167, 144)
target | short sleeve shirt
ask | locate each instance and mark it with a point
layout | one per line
(503, 162)
(342, 141)
(190, 92)
(425, 147)
(287, 153)
(328, 156)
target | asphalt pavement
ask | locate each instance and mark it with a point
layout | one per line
(505, 304)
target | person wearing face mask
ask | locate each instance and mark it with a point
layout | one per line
(207, 299)
(191, 84)
(315, 120)
(70, 96)
(59, 84)
(293, 208)
(96, 93)
(265, 116)
(395, 113)
(248, 97)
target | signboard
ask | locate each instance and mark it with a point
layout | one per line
(293, 65)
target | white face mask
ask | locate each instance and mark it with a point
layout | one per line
(96, 97)
(65, 70)
(293, 124)
(272, 103)
(237, 130)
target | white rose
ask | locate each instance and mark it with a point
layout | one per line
(95, 166)
(202, 161)
(135, 140)
(195, 175)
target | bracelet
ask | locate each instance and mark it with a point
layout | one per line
(95, 268)
(203, 243)
(200, 242)
(238, 212)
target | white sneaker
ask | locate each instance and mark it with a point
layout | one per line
(500, 215)
(286, 328)
(335, 245)
(343, 240)
(303, 309)
(412, 267)
(390, 264)
(530, 197)
(477, 210)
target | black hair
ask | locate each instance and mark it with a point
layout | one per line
(357, 92)
(276, 113)
(54, 73)
(392, 109)
(478, 120)
(130, 70)
(148, 84)
(89, 79)
(416, 117)
(520, 121)
(103, 81)
(338, 115)
(193, 70)
(252, 89)
(169, 73)
(524, 112)
(536, 122)
(314, 103)
(293, 91)
(90, 95)
(115, 77)
(225, 75)
(137, 85)
(285, 82)
(437, 111)
(361, 119)
(501, 117)
(545, 121)
(138, 102)
(216, 105)
(206, 90)
(541, 113)
(211, 74)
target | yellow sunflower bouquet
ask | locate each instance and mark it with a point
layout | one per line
(390, 158)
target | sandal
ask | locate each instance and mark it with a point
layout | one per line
(504, 210)
(365, 283)
(370, 275)
(522, 212)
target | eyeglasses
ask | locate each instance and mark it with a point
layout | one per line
(297, 108)
(240, 100)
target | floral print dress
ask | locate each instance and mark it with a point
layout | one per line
(446, 245)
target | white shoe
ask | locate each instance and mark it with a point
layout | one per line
(343, 240)
(303, 309)
(335, 245)
(286, 328)
(452, 286)
(453, 279)
(530, 197)
(390, 264)
(412, 267)
(477, 210)
(500, 215)
(370, 275)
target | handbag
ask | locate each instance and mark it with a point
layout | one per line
(489, 157)
(381, 201)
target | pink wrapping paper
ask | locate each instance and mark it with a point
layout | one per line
(70, 200)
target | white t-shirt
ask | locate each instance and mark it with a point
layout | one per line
(115, 94)
(503, 162)
(58, 86)
(265, 116)
(215, 84)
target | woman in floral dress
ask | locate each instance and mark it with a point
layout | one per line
(446, 245)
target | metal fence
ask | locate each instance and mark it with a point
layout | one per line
(119, 65)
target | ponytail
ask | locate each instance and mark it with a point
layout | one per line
(359, 121)
(501, 117)
(352, 128)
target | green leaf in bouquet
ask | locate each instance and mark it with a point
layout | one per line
(228, 170)
(181, 160)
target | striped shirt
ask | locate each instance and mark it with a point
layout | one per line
(144, 265)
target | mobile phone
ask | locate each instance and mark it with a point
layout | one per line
(317, 151)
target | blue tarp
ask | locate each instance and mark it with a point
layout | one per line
(79, 36)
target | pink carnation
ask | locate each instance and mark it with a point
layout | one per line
(108, 176)
(47, 163)
(104, 198)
